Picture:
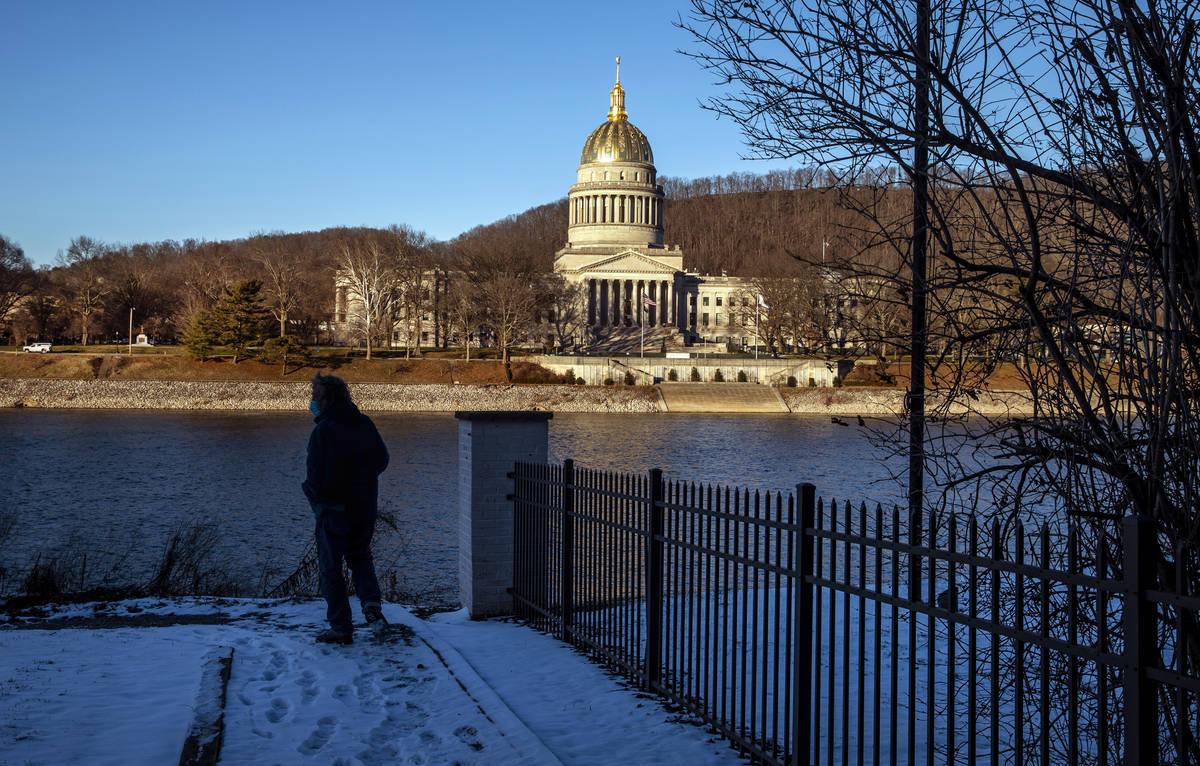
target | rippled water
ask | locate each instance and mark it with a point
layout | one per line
(116, 483)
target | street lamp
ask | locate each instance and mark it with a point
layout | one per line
(131, 330)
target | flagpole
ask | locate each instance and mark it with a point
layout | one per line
(756, 310)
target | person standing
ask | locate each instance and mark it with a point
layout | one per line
(345, 457)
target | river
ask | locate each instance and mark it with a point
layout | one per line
(115, 484)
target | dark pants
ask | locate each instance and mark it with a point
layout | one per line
(343, 534)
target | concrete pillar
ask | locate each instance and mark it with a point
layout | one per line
(488, 445)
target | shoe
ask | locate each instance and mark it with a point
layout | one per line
(376, 622)
(332, 636)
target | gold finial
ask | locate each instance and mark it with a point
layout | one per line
(616, 99)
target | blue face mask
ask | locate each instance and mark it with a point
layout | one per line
(314, 409)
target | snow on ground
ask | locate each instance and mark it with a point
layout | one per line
(116, 683)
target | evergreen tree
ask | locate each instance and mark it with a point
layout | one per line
(239, 316)
(199, 338)
(281, 348)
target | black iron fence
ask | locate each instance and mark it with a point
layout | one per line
(793, 627)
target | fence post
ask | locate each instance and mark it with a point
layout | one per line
(654, 584)
(1140, 623)
(803, 659)
(567, 548)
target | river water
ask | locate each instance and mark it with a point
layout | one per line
(115, 484)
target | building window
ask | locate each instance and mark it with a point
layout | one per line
(706, 303)
(704, 319)
(718, 303)
(745, 301)
(425, 336)
(718, 317)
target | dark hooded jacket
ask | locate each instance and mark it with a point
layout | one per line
(345, 457)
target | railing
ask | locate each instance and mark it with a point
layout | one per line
(789, 627)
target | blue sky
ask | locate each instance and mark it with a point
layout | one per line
(141, 121)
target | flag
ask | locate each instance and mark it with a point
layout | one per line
(647, 302)
(763, 303)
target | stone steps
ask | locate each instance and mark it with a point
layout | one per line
(622, 340)
(721, 397)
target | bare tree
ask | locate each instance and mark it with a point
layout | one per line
(84, 281)
(17, 276)
(282, 281)
(1072, 207)
(1065, 227)
(370, 275)
(564, 304)
(509, 300)
(463, 312)
(408, 252)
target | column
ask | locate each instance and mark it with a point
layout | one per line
(488, 445)
(617, 300)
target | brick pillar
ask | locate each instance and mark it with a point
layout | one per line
(488, 445)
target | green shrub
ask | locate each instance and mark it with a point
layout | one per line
(695, 375)
(791, 381)
(672, 375)
(742, 377)
(718, 377)
(608, 381)
(629, 380)
(569, 376)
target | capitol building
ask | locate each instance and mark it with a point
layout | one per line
(633, 285)
(634, 292)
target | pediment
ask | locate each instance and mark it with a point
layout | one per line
(628, 262)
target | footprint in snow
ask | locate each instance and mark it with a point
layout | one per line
(469, 736)
(319, 737)
(308, 686)
(279, 709)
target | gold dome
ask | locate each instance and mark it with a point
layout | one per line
(617, 139)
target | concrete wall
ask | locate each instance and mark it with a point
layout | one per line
(767, 371)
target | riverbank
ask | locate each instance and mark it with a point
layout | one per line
(257, 396)
(293, 396)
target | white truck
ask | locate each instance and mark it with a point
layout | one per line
(37, 348)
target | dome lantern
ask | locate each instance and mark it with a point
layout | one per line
(617, 139)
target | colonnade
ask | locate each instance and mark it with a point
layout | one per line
(645, 209)
(619, 302)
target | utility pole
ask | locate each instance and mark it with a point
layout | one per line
(131, 330)
(920, 248)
